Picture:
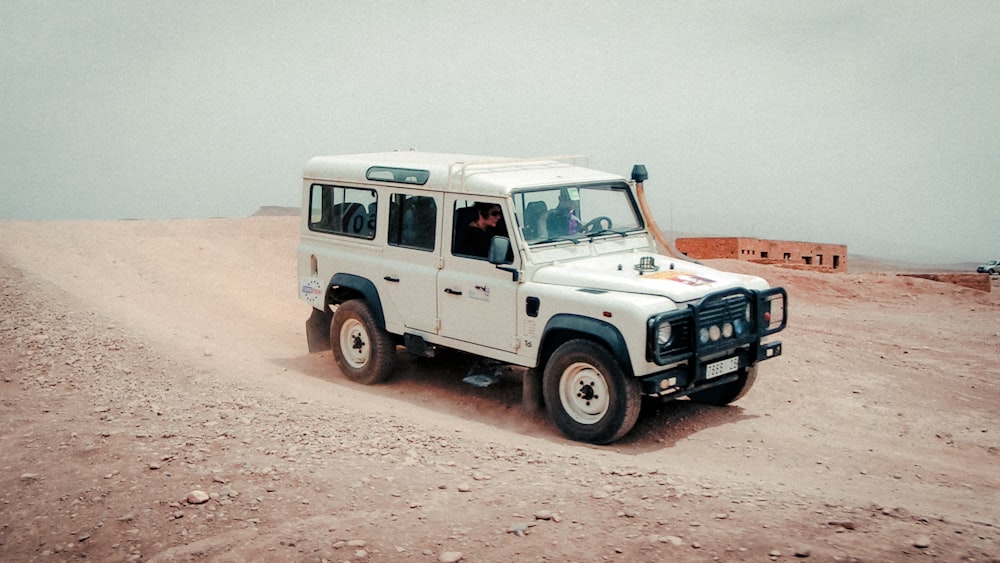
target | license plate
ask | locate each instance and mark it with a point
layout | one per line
(722, 367)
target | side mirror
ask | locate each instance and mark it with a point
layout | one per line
(500, 251)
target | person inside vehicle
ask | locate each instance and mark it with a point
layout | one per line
(473, 238)
(562, 220)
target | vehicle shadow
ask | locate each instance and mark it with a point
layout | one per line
(436, 384)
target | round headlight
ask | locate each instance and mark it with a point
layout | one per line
(747, 313)
(703, 336)
(714, 332)
(664, 334)
(727, 330)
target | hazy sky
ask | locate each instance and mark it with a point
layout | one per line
(871, 124)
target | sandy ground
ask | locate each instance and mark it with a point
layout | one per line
(145, 361)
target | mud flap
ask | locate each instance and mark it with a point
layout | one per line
(318, 330)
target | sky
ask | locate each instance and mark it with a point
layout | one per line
(870, 124)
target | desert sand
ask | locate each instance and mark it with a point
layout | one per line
(145, 362)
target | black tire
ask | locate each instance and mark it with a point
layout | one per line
(365, 353)
(725, 394)
(588, 395)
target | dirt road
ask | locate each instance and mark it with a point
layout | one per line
(145, 362)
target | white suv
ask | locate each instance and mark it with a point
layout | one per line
(543, 264)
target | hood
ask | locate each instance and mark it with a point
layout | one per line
(649, 274)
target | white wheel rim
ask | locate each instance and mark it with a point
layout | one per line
(583, 391)
(355, 345)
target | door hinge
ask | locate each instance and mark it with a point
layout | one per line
(437, 325)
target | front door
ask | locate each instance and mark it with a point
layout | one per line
(476, 301)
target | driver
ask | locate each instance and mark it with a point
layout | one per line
(562, 220)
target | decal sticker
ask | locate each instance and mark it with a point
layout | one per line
(312, 292)
(480, 292)
(685, 278)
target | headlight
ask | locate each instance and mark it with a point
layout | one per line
(714, 332)
(664, 334)
(703, 336)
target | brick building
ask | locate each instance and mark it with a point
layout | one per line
(800, 255)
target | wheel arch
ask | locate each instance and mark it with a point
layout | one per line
(565, 327)
(344, 287)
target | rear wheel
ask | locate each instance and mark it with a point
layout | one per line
(364, 352)
(588, 395)
(725, 394)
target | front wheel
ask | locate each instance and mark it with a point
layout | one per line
(364, 352)
(725, 394)
(588, 395)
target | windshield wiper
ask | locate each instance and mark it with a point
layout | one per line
(559, 238)
(621, 232)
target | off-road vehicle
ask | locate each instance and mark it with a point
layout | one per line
(543, 264)
(991, 267)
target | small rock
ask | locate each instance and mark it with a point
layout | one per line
(464, 488)
(922, 542)
(803, 551)
(672, 540)
(774, 553)
(520, 529)
(197, 497)
(450, 557)
(29, 476)
(543, 515)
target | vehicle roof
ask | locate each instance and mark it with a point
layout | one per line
(473, 174)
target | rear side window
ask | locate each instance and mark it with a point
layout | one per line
(343, 211)
(413, 221)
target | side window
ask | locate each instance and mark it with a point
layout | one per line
(476, 223)
(412, 221)
(343, 211)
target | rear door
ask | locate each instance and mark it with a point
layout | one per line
(412, 257)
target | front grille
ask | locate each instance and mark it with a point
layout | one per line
(724, 321)
(721, 322)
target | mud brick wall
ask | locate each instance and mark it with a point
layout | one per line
(802, 255)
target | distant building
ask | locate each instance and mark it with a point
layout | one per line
(799, 255)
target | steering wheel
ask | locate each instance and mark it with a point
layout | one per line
(595, 224)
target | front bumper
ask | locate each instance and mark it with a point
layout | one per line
(714, 340)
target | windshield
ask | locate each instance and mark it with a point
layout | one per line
(576, 212)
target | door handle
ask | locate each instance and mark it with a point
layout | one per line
(391, 279)
(451, 291)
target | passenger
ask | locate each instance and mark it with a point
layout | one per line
(473, 239)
